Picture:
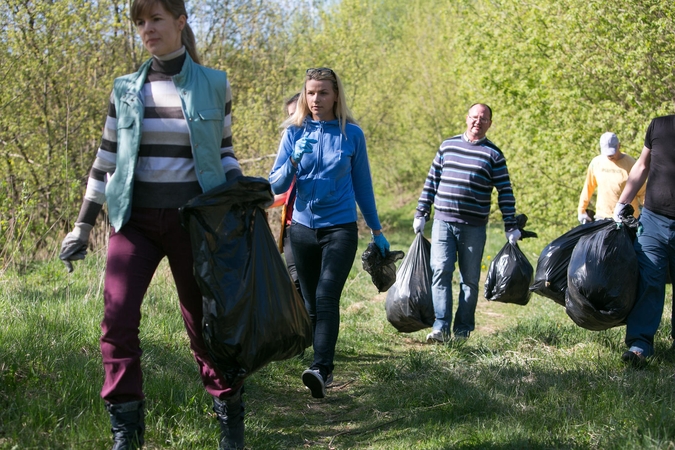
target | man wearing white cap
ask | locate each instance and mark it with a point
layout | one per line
(607, 174)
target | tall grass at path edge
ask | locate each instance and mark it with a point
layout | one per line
(528, 378)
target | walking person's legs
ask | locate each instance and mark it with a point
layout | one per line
(133, 257)
(470, 245)
(443, 258)
(227, 400)
(651, 247)
(337, 248)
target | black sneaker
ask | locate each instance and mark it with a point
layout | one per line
(634, 359)
(314, 381)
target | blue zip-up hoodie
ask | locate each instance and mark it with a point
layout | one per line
(331, 180)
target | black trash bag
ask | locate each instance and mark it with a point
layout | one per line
(382, 269)
(602, 279)
(252, 311)
(550, 278)
(509, 276)
(521, 221)
(409, 304)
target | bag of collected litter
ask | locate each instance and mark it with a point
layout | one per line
(550, 278)
(252, 311)
(409, 305)
(602, 278)
(509, 276)
(382, 269)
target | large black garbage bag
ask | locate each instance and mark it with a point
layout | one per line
(409, 304)
(382, 269)
(509, 276)
(550, 278)
(602, 279)
(252, 311)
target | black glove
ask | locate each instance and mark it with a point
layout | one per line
(74, 246)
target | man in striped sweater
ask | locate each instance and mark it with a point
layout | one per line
(459, 186)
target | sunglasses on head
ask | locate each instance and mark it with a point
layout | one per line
(320, 71)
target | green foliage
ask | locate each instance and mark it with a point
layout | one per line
(557, 74)
(527, 378)
(56, 72)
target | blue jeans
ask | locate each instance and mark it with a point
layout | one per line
(464, 244)
(323, 259)
(655, 248)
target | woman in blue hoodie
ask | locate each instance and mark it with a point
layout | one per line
(325, 150)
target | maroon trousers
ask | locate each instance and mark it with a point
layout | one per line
(133, 256)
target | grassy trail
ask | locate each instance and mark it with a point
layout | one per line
(528, 378)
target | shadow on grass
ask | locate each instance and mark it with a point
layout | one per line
(464, 396)
(483, 393)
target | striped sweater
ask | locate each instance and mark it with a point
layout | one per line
(460, 182)
(165, 174)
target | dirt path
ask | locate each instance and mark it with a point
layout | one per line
(490, 316)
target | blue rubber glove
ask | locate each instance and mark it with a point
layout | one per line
(381, 243)
(302, 146)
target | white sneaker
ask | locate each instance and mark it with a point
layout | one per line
(435, 337)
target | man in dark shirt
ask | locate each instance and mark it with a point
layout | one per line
(655, 243)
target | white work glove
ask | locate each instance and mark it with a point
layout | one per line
(583, 218)
(418, 225)
(513, 236)
(74, 246)
(618, 212)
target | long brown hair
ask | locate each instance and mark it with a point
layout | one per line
(176, 8)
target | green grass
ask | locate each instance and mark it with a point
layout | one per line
(527, 378)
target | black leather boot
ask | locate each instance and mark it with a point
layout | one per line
(230, 412)
(128, 424)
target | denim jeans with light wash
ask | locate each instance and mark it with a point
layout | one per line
(323, 259)
(655, 248)
(462, 244)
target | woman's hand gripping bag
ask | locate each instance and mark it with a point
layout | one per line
(409, 305)
(252, 311)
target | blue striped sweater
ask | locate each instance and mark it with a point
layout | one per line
(460, 182)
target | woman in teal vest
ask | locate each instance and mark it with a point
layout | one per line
(167, 138)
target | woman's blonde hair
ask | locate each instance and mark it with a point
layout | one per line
(340, 108)
(176, 8)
